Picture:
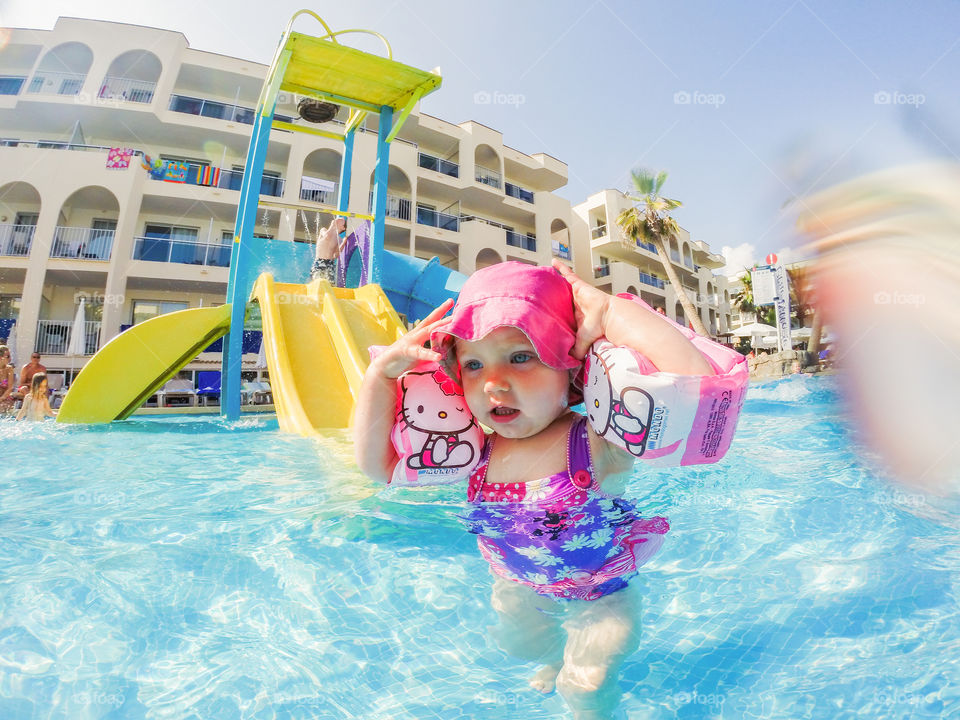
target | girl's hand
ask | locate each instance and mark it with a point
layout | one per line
(409, 350)
(591, 307)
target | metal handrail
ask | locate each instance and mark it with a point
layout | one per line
(152, 249)
(82, 242)
(53, 336)
(128, 89)
(15, 240)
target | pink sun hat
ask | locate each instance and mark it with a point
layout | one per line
(536, 300)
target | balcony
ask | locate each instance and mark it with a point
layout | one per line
(15, 240)
(11, 84)
(82, 242)
(444, 221)
(486, 176)
(560, 250)
(397, 207)
(311, 193)
(56, 83)
(185, 252)
(217, 110)
(53, 336)
(127, 89)
(515, 191)
(525, 242)
(601, 271)
(649, 247)
(226, 179)
(431, 162)
(651, 280)
(598, 232)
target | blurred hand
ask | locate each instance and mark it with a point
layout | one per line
(409, 350)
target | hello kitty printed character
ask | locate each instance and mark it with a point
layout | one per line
(624, 413)
(436, 436)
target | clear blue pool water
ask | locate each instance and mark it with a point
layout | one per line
(189, 568)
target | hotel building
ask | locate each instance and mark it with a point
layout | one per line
(76, 99)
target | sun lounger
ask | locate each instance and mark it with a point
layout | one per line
(177, 390)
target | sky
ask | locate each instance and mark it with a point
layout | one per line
(749, 106)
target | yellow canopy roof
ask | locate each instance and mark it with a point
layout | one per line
(330, 70)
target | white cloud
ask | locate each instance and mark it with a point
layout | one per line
(738, 258)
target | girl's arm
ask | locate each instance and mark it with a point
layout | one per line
(376, 405)
(628, 324)
(47, 410)
(27, 399)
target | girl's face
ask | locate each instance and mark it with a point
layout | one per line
(506, 385)
(43, 386)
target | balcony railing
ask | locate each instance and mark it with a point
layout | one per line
(81, 242)
(486, 176)
(598, 232)
(431, 162)
(53, 336)
(601, 271)
(216, 109)
(127, 89)
(185, 252)
(11, 84)
(442, 220)
(230, 180)
(649, 247)
(688, 262)
(651, 280)
(526, 242)
(397, 207)
(518, 192)
(675, 256)
(324, 197)
(15, 240)
(561, 251)
(56, 83)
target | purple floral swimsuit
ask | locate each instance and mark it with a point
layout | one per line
(560, 535)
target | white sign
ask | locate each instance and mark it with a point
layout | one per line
(782, 306)
(764, 286)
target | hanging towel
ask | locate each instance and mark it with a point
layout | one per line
(175, 171)
(119, 158)
(208, 176)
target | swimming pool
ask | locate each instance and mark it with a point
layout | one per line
(189, 568)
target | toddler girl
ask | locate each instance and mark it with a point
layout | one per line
(36, 406)
(545, 492)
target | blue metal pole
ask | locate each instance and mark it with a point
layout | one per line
(238, 286)
(380, 191)
(343, 196)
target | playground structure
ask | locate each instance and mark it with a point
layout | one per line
(315, 335)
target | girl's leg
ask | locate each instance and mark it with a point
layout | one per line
(601, 634)
(530, 628)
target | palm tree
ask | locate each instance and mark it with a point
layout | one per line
(649, 220)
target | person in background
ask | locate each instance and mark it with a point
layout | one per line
(328, 248)
(36, 406)
(28, 371)
(8, 379)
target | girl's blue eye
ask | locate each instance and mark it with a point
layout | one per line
(521, 357)
(471, 365)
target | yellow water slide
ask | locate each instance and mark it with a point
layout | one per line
(136, 363)
(316, 338)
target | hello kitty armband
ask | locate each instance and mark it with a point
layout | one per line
(436, 437)
(662, 417)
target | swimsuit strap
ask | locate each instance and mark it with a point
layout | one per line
(579, 459)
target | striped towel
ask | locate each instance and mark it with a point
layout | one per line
(208, 176)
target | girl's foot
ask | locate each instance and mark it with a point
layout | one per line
(546, 679)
